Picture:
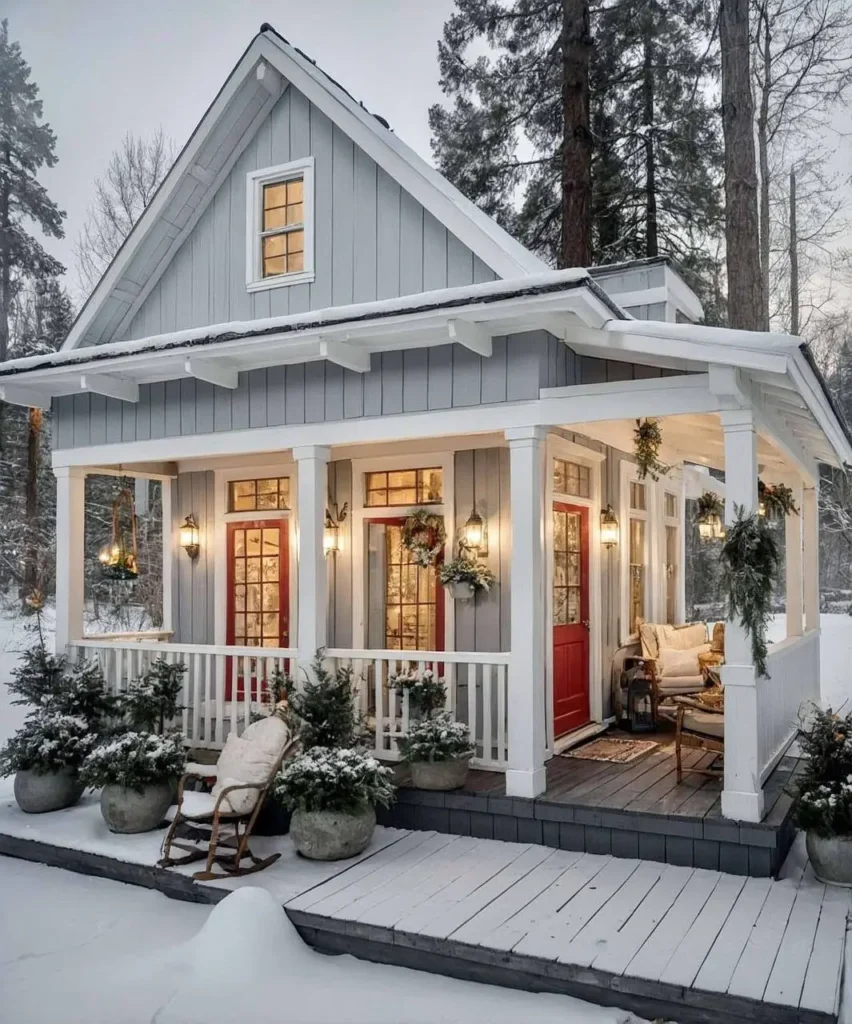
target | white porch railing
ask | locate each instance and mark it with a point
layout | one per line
(477, 694)
(793, 680)
(224, 685)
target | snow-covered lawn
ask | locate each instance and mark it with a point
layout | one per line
(80, 950)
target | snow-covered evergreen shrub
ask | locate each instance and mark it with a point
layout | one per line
(48, 741)
(333, 780)
(324, 709)
(152, 700)
(437, 738)
(135, 760)
(427, 693)
(823, 789)
(467, 570)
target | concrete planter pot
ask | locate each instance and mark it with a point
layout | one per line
(460, 591)
(37, 792)
(831, 858)
(332, 835)
(439, 775)
(127, 810)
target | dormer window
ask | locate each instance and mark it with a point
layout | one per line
(279, 219)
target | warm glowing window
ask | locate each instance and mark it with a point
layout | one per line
(404, 487)
(257, 578)
(671, 546)
(264, 495)
(567, 567)
(637, 573)
(637, 496)
(571, 478)
(283, 228)
(411, 595)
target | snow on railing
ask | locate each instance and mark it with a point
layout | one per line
(477, 694)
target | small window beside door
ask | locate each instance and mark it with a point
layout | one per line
(404, 487)
(571, 478)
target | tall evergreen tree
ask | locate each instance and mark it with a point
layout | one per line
(656, 162)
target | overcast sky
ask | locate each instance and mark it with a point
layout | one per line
(105, 67)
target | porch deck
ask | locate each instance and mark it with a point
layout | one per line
(629, 810)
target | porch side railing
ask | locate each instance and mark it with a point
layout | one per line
(477, 694)
(222, 686)
(793, 680)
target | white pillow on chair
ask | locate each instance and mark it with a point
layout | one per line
(673, 662)
(249, 759)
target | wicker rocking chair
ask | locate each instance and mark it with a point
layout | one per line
(234, 805)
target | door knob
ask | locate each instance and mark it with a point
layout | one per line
(587, 624)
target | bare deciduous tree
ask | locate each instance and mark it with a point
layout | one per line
(133, 176)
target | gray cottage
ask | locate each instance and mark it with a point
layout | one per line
(309, 335)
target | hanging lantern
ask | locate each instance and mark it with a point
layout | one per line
(474, 532)
(609, 528)
(120, 558)
(190, 539)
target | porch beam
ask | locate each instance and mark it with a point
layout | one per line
(472, 336)
(111, 387)
(28, 397)
(312, 463)
(810, 554)
(70, 523)
(211, 372)
(742, 795)
(526, 774)
(343, 354)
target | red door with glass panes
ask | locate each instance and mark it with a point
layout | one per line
(570, 617)
(257, 588)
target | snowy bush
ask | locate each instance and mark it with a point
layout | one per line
(333, 780)
(467, 570)
(324, 709)
(135, 760)
(426, 692)
(47, 742)
(438, 738)
(823, 790)
(152, 700)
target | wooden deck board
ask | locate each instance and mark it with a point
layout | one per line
(821, 990)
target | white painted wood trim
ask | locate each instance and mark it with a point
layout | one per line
(255, 180)
(30, 398)
(170, 548)
(810, 548)
(312, 465)
(629, 472)
(109, 386)
(70, 529)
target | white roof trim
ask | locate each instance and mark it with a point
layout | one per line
(494, 246)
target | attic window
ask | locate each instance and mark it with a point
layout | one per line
(279, 246)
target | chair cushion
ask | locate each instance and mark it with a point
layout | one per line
(704, 723)
(682, 638)
(680, 662)
(249, 758)
(196, 805)
(648, 640)
(675, 686)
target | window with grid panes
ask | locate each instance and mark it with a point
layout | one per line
(282, 228)
(671, 544)
(411, 597)
(404, 487)
(571, 478)
(637, 553)
(257, 582)
(262, 495)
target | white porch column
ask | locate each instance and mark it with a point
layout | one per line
(742, 795)
(312, 461)
(527, 666)
(810, 549)
(793, 567)
(70, 521)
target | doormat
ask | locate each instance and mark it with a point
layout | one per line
(612, 749)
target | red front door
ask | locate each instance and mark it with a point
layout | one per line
(570, 617)
(258, 594)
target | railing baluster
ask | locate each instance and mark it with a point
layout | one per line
(502, 752)
(471, 703)
(487, 747)
(221, 670)
(380, 706)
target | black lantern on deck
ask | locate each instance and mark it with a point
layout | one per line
(641, 714)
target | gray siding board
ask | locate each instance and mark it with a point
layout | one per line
(440, 378)
(343, 211)
(372, 385)
(315, 392)
(591, 370)
(81, 430)
(467, 377)
(321, 147)
(97, 411)
(365, 221)
(333, 391)
(340, 565)
(387, 236)
(257, 386)
(222, 402)
(434, 253)
(415, 382)
(353, 394)
(158, 410)
(459, 263)
(114, 421)
(391, 383)
(275, 377)
(294, 395)
(410, 245)
(494, 384)
(192, 579)
(204, 408)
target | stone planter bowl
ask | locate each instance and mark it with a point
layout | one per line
(37, 792)
(332, 835)
(127, 810)
(439, 775)
(831, 858)
(460, 591)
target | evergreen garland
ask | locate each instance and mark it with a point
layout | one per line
(324, 709)
(823, 790)
(710, 504)
(777, 499)
(647, 438)
(750, 562)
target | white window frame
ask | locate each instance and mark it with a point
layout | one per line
(255, 182)
(361, 514)
(630, 474)
(222, 480)
(561, 448)
(674, 486)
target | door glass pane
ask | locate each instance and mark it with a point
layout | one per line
(409, 594)
(671, 570)
(637, 573)
(567, 568)
(256, 581)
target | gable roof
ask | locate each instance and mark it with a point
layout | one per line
(268, 66)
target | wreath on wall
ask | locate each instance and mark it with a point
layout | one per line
(647, 438)
(423, 536)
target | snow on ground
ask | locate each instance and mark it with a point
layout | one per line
(81, 950)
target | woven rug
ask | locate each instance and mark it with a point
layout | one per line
(612, 749)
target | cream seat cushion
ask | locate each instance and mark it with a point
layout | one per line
(675, 661)
(249, 758)
(704, 723)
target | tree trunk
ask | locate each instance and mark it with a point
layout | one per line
(5, 279)
(576, 247)
(745, 285)
(764, 43)
(794, 258)
(651, 243)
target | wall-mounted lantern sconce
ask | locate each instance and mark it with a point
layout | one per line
(331, 533)
(190, 537)
(609, 528)
(474, 536)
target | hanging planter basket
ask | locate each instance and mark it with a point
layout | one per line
(120, 558)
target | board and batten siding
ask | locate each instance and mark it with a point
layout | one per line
(372, 240)
(443, 377)
(192, 578)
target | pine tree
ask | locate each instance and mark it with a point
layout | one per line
(324, 708)
(26, 145)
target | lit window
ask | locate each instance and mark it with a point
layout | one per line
(637, 497)
(279, 247)
(637, 573)
(405, 487)
(571, 478)
(264, 495)
(671, 541)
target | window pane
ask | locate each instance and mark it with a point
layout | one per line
(671, 506)
(402, 478)
(295, 262)
(274, 195)
(295, 214)
(274, 245)
(274, 266)
(276, 218)
(637, 542)
(430, 485)
(571, 478)
(637, 496)
(254, 495)
(404, 487)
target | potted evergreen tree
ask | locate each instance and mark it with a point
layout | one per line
(823, 795)
(437, 748)
(137, 768)
(332, 788)
(69, 707)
